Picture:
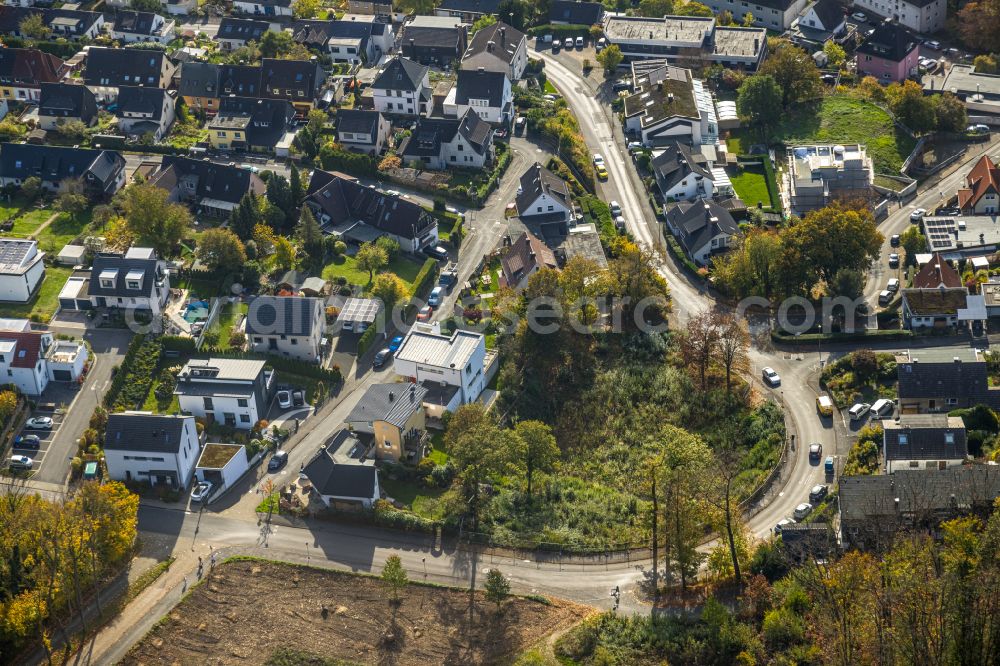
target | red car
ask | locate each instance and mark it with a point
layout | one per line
(425, 313)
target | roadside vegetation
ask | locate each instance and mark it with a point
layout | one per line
(861, 376)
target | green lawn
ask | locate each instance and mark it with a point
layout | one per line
(198, 287)
(225, 322)
(437, 449)
(63, 230)
(550, 89)
(446, 224)
(157, 406)
(347, 267)
(415, 496)
(750, 185)
(46, 299)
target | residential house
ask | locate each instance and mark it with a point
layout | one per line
(920, 16)
(102, 171)
(62, 23)
(452, 368)
(199, 86)
(142, 27)
(179, 7)
(822, 20)
(144, 111)
(289, 326)
(160, 449)
(377, 8)
(246, 123)
(498, 48)
(583, 240)
(110, 68)
(488, 94)
(134, 280)
(923, 441)
(231, 391)
(703, 229)
(22, 269)
(240, 80)
(469, 11)
(211, 189)
(681, 39)
(933, 308)
(669, 105)
(575, 12)
(222, 465)
(937, 274)
(66, 360)
(62, 102)
(263, 7)
(440, 143)
(434, 40)
(402, 88)
(356, 40)
(777, 15)
(362, 213)
(342, 475)
(362, 131)
(543, 197)
(526, 256)
(818, 174)
(942, 379)
(22, 360)
(890, 53)
(981, 194)
(683, 174)
(298, 81)
(394, 415)
(22, 71)
(874, 508)
(234, 32)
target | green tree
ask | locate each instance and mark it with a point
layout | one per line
(371, 257)
(834, 238)
(305, 9)
(8, 403)
(152, 219)
(539, 448)
(950, 114)
(978, 23)
(484, 21)
(847, 282)
(748, 20)
(610, 57)
(390, 289)
(759, 101)
(33, 26)
(151, 6)
(394, 576)
(390, 245)
(656, 8)
(221, 248)
(913, 243)
(692, 8)
(71, 199)
(479, 450)
(276, 43)
(279, 194)
(310, 235)
(984, 64)
(496, 588)
(31, 188)
(295, 184)
(793, 70)
(417, 7)
(910, 106)
(284, 253)
(835, 53)
(245, 217)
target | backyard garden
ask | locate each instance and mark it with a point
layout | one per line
(862, 375)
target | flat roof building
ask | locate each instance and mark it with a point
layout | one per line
(681, 39)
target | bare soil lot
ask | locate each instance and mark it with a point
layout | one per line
(248, 611)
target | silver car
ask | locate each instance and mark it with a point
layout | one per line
(802, 510)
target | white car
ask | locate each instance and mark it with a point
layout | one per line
(892, 285)
(802, 510)
(579, 42)
(598, 159)
(858, 410)
(393, 193)
(284, 399)
(783, 523)
(859, 16)
(934, 45)
(568, 43)
(201, 491)
(616, 208)
(918, 214)
(21, 462)
(39, 423)
(771, 378)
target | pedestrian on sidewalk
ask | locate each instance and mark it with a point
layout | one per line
(185, 587)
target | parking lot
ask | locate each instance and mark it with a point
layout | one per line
(44, 435)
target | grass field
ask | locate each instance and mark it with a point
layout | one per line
(416, 497)
(750, 185)
(46, 298)
(227, 318)
(347, 267)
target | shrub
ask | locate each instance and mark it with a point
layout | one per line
(425, 279)
(366, 340)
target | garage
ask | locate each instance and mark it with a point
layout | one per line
(62, 375)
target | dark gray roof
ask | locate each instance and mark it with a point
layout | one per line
(425, 36)
(358, 121)
(471, 6)
(480, 85)
(121, 66)
(677, 162)
(401, 74)
(576, 13)
(954, 490)
(538, 180)
(699, 222)
(922, 378)
(291, 75)
(268, 118)
(241, 80)
(214, 181)
(431, 133)
(341, 480)
(924, 437)
(392, 403)
(107, 261)
(830, 13)
(499, 40)
(144, 432)
(241, 29)
(889, 41)
(56, 163)
(65, 100)
(283, 315)
(139, 23)
(199, 79)
(79, 22)
(132, 99)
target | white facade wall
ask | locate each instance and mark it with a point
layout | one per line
(398, 102)
(926, 19)
(244, 416)
(690, 189)
(261, 10)
(471, 379)
(126, 465)
(545, 205)
(897, 465)
(75, 368)
(18, 287)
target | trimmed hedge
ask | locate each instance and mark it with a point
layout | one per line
(135, 376)
(111, 396)
(178, 343)
(681, 256)
(563, 31)
(424, 282)
(367, 339)
(901, 334)
(601, 214)
(356, 164)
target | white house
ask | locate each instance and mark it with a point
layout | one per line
(289, 326)
(923, 16)
(222, 465)
(683, 174)
(230, 391)
(923, 441)
(144, 111)
(439, 143)
(543, 196)
(498, 48)
(160, 449)
(136, 280)
(66, 360)
(131, 27)
(441, 361)
(403, 87)
(670, 105)
(22, 360)
(21, 269)
(263, 7)
(487, 93)
(703, 228)
(362, 131)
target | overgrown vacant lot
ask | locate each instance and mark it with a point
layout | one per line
(250, 610)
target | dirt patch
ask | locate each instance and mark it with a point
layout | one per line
(247, 611)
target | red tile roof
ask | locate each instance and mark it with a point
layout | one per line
(524, 255)
(982, 179)
(937, 273)
(28, 350)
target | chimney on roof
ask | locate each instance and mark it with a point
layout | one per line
(489, 45)
(392, 396)
(957, 359)
(481, 69)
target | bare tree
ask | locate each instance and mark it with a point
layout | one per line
(733, 345)
(700, 342)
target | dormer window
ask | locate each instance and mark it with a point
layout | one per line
(108, 278)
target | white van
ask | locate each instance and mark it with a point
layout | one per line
(859, 410)
(883, 407)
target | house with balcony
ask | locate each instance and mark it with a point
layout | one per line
(160, 449)
(297, 81)
(134, 280)
(355, 39)
(498, 48)
(62, 23)
(442, 143)
(923, 441)
(393, 414)
(145, 111)
(683, 174)
(777, 15)
(679, 39)
(263, 7)
(61, 102)
(290, 326)
(235, 32)
(818, 174)
(453, 368)
(543, 198)
(230, 391)
(131, 27)
(891, 54)
(669, 105)
(402, 88)
(66, 360)
(250, 124)
(208, 188)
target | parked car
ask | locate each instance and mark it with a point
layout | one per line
(883, 407)
(436, 252)
(395, 343)
(579, 42)
(918, 214)
(556, 45)
(21, 463)
(815, 451)
(858, 410)
(298, 397)
(884, 297)
(978, 129)
(894, 240)
(933, 44)
(201, 491)
(598, 159)
(437, 293)
(425, 313)
(828, 465)
(635, 146)
(893, 260)
(601, 43)
(277, 461)
(27, 442)
(784, 522)
(39, 423)
(602, 172)
(771, 378)
(859, 16)
(520, 124)
(892, 285)
(802, 510)
(568, 43)
(817, 493)
(824, 405)
(550, 97)
(547, 39)
(284, 399)
(620, 223)
(616, 208)
(381, 358)
(622, 85)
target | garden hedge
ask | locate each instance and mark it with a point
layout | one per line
(901, 334)
(424, 282)
(367, 339)
(563, 31)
